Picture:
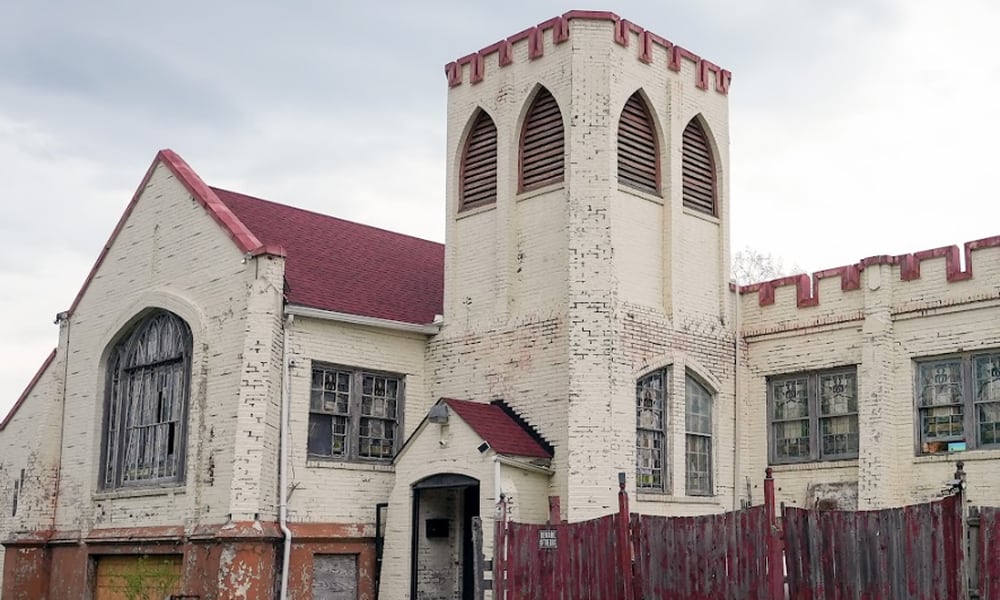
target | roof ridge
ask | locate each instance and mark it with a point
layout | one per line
(321, 214)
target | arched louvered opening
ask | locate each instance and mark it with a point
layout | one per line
(479, 164)
(638, 153)
(542, 143)
(698, 170)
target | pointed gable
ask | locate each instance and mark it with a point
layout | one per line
(331, 264)
(501, 428)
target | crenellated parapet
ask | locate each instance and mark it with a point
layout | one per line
(560, 31)
(905, 268)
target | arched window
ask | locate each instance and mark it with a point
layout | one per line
(149, 374)
(698, 438)
(698, 170)
(542, 143)
(638, 154)
(479, 164)
(650, 431)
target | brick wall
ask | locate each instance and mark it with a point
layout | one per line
(891, 317)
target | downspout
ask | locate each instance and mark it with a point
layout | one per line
(62, 317)
(497, 488)
(286, 396)
(737, 388)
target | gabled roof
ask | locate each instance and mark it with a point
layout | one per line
(346, 267)
(27, 391)
(331, 264)
(505, 432)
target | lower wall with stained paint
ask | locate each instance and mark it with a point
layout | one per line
(240, 561)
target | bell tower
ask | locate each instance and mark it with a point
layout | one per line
(588, 246)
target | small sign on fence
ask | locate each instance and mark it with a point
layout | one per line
(547, 539)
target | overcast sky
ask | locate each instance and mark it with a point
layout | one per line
(859, 127)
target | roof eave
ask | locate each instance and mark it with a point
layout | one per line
(299, 310)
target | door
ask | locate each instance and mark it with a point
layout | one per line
(442, 565)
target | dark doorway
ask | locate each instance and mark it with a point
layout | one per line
(442, 552)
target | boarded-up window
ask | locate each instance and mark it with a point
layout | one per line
(479, 164)
(147, 576)
(638, 157)
(335, 577)
(146, 403)
(698, 170)
(542, 143)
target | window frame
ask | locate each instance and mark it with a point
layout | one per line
(814, 416)
(690, 379)
(487, 161)
(665, 374)
(969, 402)
(354, 414)
(115, 431)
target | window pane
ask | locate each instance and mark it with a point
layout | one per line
(699, 465)
(790, 398)
(838, 393)
(649, 440)
(376, 438)
(987, 397)
(940, 383)
(839, 436)
(649, 459)
(791, 440)
(320, 435)
(698, 414)
(942, 423)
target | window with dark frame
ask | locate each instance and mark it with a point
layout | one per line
(958, 402)
(146, 401)
(479, 164)
(650, 431)
(698, 438)
(541, 157)
(698, 170)
(813, 416)
(638, 153)
(354, 414)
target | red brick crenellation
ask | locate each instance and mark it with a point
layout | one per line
(560, 33)
(807, 288)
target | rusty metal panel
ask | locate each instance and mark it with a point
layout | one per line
(989, 553)
(700, 558)
(914, 552)
(579, 565)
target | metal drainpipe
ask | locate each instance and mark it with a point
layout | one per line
(286, 386)
(737, 388)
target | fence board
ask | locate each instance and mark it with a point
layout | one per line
(710, 557)
(910, 553)
(582, 566)
(989, 553)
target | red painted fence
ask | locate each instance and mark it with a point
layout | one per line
(713, 557)
(909, 553)
(988, 548)
(912, 553)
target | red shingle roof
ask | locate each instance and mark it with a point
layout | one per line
(501, 429)
(346, 267)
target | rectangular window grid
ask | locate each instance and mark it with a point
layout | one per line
(814, 416)
(958, 402)
(698, 422)
(353, 414)
(650, 400)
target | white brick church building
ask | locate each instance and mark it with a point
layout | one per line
(248, 399)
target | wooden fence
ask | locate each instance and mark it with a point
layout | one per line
(913, 553)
